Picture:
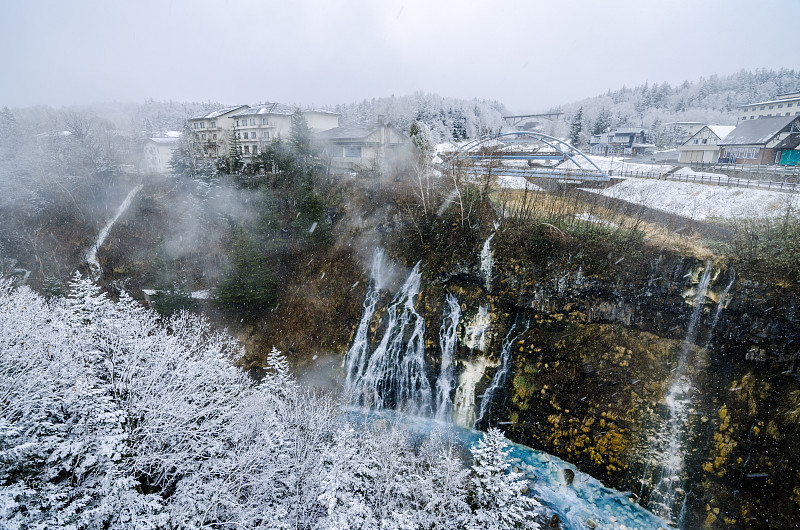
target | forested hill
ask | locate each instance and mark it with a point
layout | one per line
(710, 100)
(448, 118)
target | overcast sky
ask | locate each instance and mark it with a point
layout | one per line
(530, 55)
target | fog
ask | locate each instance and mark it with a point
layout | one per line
(528, 55)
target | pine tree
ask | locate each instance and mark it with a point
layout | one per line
(603, 122)
(496, 493)
(249, 283)
(234, 161)
(576, 129)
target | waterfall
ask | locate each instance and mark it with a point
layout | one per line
(356, 358)
(475, 336)
(95, 271)
(394, 375)
(487, 261)
(723, 300)
(499, 378)
(448, 340)
(668, 449)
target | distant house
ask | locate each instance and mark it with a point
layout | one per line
(761, 141)
(702, 145)
(214, 130)
(618, 142)
(786, 104)
(158, 153)
(258, 125)
(358, 147)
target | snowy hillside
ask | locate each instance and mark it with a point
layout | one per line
(700, 201)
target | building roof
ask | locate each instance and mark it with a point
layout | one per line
(721, 130)
(218, 113)
(754, 132)
(267, 108)
(347, 132)
(780, 98)
(617, 132)
(168, 140)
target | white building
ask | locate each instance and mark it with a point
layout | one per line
(214, 130)
(257, 126)
(158, 153)
(787, 104)
(702, 145)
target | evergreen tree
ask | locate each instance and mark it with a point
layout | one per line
(234, 162)
(249, 283)
(496, 494)
(576, 129)
(300, 135)
(603, 122)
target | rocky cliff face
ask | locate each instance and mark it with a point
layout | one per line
(601, 373)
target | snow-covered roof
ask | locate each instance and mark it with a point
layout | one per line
(782, 98)
(754, 132)
(346, 132)
(721, 130)
(617, 132)
(218, 113)
(172, 134)
(267, 108)
(169, 140)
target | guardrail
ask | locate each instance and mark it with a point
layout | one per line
(716, 180)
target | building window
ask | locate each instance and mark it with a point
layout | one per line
(247, 149)
(789, 105)
(245, 136)
(697, 141)
(203, 135)
(255, 149)
(705, 140)
(352, 151)
(238, 136)
(237, 123)
(252, 121)
(266, 135)
(780, 106)
(213, 125)
(264, 121)
(215, 136)
(762, 107)
(771, 107)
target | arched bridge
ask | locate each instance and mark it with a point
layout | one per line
(516, 160)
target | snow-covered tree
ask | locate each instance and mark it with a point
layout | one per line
(576, 135)
(496, 493)
(115, 418)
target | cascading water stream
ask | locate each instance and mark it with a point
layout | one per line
(356, 358)
(487, 262)
(499, 378)
(394, 375)
(723, 300)
(448, 340)
(668, 448)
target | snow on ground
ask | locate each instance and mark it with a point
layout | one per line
(617, 164)
(700, 201)
(685, 171)
(516, 183)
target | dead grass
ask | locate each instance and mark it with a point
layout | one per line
(572, 210)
